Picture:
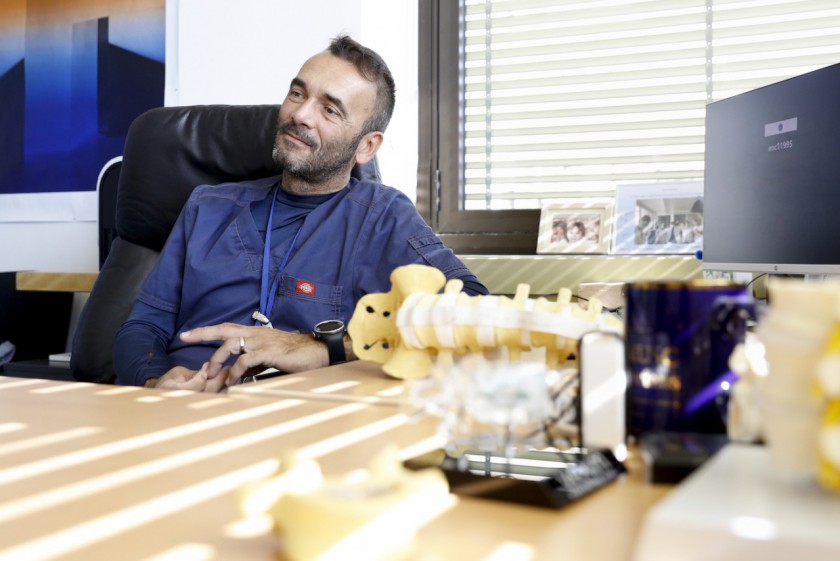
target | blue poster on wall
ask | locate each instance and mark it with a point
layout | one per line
(73, 76)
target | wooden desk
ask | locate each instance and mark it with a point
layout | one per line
(55, 282)
(359, 381)
(36, 337)
(108, 472)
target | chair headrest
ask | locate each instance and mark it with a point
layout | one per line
(171, 150)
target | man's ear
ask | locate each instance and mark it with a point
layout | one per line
(369, 146)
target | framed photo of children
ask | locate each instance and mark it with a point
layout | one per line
(659, 218)
(575, 228)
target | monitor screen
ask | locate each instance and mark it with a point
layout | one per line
(772, 178)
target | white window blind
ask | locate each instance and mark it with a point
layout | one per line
(570, 98)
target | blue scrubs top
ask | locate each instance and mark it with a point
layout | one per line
(209, 272)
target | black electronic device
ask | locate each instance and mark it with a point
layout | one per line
(772, 178)
(547, 478)
(670, 457)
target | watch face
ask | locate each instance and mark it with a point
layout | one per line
(330, 326)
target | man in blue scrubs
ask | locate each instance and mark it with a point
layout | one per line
(251, 268)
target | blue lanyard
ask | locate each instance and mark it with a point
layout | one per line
(267, 296)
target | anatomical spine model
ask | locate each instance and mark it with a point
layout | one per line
(409, 327)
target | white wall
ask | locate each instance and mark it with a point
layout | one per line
(240, 52)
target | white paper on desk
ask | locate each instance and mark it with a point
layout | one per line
(60, 357)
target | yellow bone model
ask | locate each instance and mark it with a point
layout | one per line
(406, 328)
(370, 514)
(828, 386)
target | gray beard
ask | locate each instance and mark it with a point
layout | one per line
(333, 159)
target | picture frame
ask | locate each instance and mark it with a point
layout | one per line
(659, 218)
(575, 228)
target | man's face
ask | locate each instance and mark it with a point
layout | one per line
(320, 123)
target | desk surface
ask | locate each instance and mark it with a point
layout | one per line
(738, 506)
(108, 472)
(55, 282)
(359, 381)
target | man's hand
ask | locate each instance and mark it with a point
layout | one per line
(180, 378)
(258, 348)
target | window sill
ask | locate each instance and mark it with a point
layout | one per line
(546, 274)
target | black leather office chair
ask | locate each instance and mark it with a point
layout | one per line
(168, 152)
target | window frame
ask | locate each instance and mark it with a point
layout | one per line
(743, 51)
(440, 176)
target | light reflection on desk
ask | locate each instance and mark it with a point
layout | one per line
(134, 479)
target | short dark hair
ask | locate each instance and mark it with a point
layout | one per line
(372, 68)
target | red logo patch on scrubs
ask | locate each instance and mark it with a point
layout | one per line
(305, 287)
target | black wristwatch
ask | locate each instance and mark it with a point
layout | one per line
(331, 332)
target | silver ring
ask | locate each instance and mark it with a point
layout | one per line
(241, 345)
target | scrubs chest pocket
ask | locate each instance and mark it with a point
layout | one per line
(303, 303)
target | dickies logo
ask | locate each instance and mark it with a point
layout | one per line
(305, 287)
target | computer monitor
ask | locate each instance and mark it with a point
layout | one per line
(772, 178)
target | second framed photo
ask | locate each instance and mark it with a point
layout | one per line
(575, 228)
(659, 218)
